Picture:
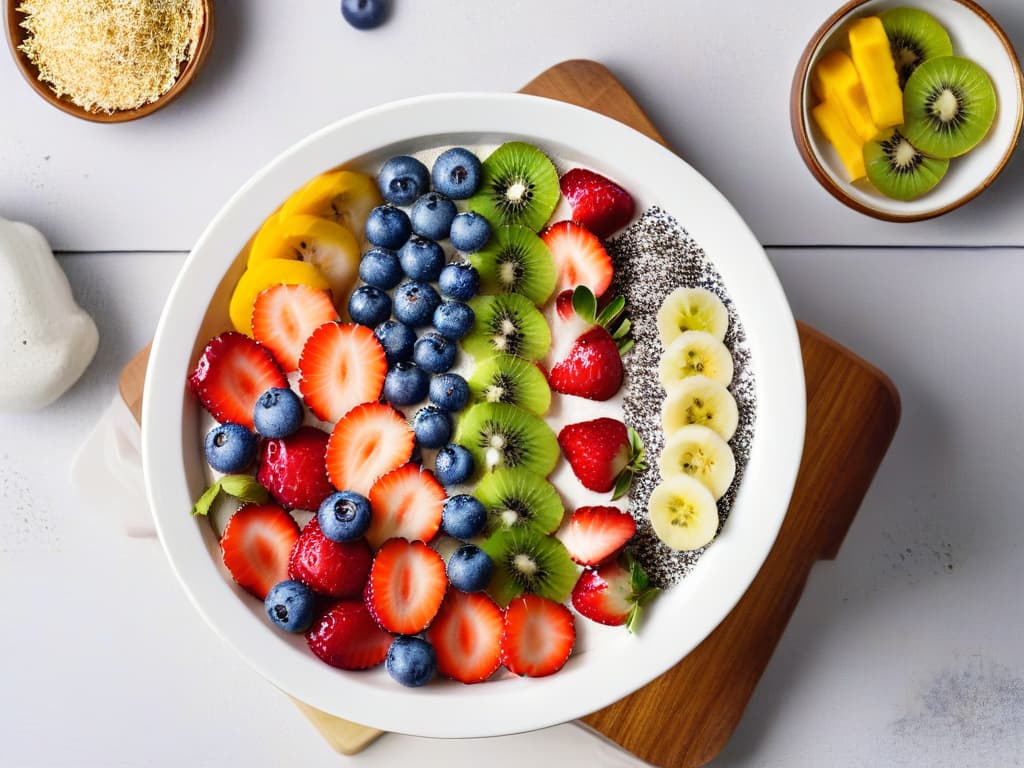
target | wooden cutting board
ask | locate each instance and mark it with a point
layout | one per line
(684, 718)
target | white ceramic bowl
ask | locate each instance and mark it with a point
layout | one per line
(603, 673)
(976, 36)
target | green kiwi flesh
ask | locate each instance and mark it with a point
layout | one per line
(914, 36)
(525, 560)
(501, 435)
(508, 324)
(518, 185)
(898, 169)
(516, 261)
(949, 105)
(519, 497)
(512, 380)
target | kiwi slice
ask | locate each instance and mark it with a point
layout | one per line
(518, 185)
(508, 324)
(949, 104)
(525, 560)
(506, 436)
(518, 497)
(516, 261)
(512, 380)
(914, 36)
(898, 169)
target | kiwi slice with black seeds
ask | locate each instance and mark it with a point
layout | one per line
(506, 436)
(949, 105)
(516, 261)
(511, 380)
(518, 185)
(898, 169)
(914, 37)
(518, 497)
(525, 560)
(508, 324)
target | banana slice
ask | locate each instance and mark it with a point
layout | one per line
(699, 400)
(346, 197)
(691, 309)
(695, 353)
(683, 513)
(700, 453)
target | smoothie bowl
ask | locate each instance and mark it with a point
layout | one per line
(460, 385)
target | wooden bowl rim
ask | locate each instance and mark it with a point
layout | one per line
(16, 35)
(810, 158)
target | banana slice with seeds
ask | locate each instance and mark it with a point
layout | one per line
(691, 309)
(699, 452)
(699, 400)
(695, 353)
(683, 513)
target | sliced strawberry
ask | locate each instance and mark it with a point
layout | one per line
(406, 586)
(579, 257)
(466, 635)
(342, 365)
(601, 205)
(614, 593)
(338, 569)
(347, 637)
(604, 454)
(256, 544)
(596, 533)
(231, 374)
(292, 469)
(538, 636)
(370, 441)
(591, 365)
(285, 316)
(406, 502)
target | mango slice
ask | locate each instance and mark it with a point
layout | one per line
(837, 129)
(836, 78)
(872, 56)
(261, 276)
(346, 197)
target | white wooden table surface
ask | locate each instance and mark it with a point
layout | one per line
(905, 651)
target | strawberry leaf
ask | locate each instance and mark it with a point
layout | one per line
(584, 303)
(204, 502)
(623, 330)
(624, 348)
(642, 593)
(634, 466)
(611, 311)
(622, 484)
(245, 488)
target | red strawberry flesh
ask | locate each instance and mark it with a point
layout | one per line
(466, 635)
(342, 365)
(231, 374)
(592, 368)
(292, 469)
(614, 593)
(598, 203)
(597, 450)
(285, 316)
(538, 636)
(370, 441)
(579, 257)
(596, 533)
(347, 637)
(407, 502)
(256, 544)
(337, 569)
(406, 586)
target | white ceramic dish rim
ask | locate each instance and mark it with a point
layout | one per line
(975, 37)
(680, 619)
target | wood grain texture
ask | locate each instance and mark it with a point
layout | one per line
(684, 718)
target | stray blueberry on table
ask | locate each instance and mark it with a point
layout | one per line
(411, 661)
(365, 14)
(290, 605)
(278, 413)
(402, 179)
(230, 448)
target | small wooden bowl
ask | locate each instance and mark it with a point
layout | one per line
(976, 36)
(189, 68)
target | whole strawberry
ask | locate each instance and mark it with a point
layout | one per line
(598, 203)
(614, 593)
(603, 453)
(338, 569)
(293, 469)
(347, 637)
(592, 366)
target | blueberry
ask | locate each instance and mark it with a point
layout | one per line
(456, 173)
(402, 179)
(453, 465)
(421, 259)
(411, 661)
(344, 516)
(397, 339)
(470, 568)
(388, 227)
(230, 448)
(369, 306)
(449, 392)
(453, 319)
(432, 426)
(405, 384)
(434, 353)
(365, 14)
(415, 302)
(463, 516)
(459, 281)
(470, 232)
(290, 605)
(278, 413)
(380, 268)
(432, 215)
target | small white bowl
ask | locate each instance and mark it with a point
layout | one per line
(600, 673)
(976, 36)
